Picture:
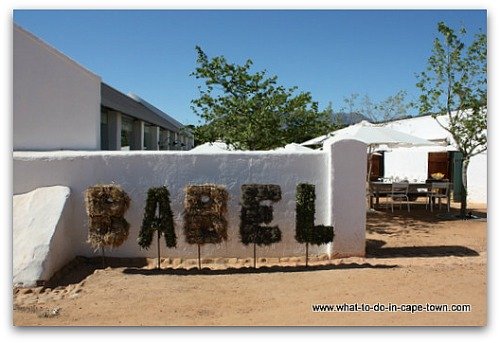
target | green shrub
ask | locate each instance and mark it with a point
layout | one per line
(253, 214)
(305, 230)
(163, 223)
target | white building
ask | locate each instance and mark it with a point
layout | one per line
(56, 102)
(418, 163)
(60, 105)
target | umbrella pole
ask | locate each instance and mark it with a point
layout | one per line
(370, 152)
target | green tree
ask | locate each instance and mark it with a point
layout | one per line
(251, 111)
(391, 108)
(455, 84)
(394, 107)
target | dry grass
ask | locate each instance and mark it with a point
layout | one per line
(106, 206)
(205, 214)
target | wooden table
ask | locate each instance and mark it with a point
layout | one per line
(415, 190)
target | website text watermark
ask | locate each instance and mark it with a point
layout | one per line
(389, 307)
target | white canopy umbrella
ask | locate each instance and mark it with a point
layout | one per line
(373, 135)
(370, 134)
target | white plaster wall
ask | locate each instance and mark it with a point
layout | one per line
(408, 163)
(56, 102)
(411, 163)
(477, 179)
(347, 199)
(138, 171)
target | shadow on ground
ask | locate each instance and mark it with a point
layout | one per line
(419, 218)
(426, 251)
(251, 270)
(375, 249)
(82, 267)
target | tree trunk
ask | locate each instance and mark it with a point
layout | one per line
(158, 247)
(307, 253)
(199, 257)
(103, 257)
(463, 204)
(254, 256)
(370, 155)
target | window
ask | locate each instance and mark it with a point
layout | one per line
(104, 130)
(127, 124)
(149, 137)
(164, 139)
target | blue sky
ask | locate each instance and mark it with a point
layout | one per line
(330, 53)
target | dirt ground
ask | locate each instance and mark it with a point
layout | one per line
(416, 258)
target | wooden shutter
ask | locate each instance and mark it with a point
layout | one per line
(377, 167)
(438, 162)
